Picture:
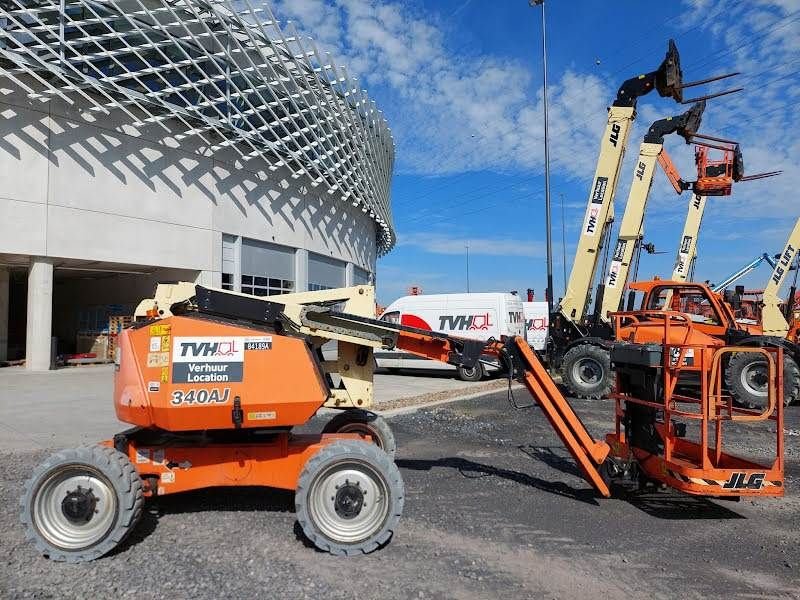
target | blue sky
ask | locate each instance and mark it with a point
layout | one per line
(460, 83)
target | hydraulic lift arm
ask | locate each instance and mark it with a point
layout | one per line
(773, 321)
(632, 226)
(739, 273)
(668, 81)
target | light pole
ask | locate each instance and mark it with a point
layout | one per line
(466, 247)
(549, 292)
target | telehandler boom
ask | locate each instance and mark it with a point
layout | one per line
(651, 153)
(568, 321)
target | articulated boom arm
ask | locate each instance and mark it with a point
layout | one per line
(739, 273)
(632, 226)
(514, 353)
(774, 322)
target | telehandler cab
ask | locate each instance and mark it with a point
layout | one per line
(214, 382)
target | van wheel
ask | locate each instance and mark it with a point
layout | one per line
(586, 371)
(474, 374)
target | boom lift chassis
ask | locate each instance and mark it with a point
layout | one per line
(267, 378)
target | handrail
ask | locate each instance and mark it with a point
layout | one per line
(716, 362)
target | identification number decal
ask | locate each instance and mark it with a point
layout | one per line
(191, 397)
(258, 343)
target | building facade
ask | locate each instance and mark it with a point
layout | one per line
(146, 141)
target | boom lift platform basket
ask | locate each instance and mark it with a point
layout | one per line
(652, 414)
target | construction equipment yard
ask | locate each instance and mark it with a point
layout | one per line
(219, 402)
(495, 508)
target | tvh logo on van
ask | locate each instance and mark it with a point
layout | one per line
(479, 322)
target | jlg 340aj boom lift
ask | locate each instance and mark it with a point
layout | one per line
(215, 382)
(569, 322)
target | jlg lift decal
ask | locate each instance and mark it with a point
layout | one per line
(214, 396)
(207, 359)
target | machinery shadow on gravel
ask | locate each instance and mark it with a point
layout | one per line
(675, 506)
(663, 504)
(473, 470)
(222, 499)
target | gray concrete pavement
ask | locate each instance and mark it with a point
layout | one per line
(73, 406)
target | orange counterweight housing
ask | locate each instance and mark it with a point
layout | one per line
(194, 373)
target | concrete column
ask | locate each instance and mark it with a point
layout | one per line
(40, 314)
(237, 265)
(301, 270)
(349, 275)
(4, 282)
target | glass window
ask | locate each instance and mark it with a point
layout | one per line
(689, 300)
(391, 317)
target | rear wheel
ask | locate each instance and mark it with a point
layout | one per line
(747, 380)
(364, 422)
(80, 504)
(349, 498)
(471, 374)
(586, 371)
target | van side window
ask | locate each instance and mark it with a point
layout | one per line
(391, 317)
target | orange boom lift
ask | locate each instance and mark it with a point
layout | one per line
(214, 382)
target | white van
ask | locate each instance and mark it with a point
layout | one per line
(475, 316)
(536, 323)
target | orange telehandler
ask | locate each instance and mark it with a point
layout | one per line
(213, 383)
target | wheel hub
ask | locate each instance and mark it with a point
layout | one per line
(755, 378)
(78, 506)
(589, 370)
(349, 500)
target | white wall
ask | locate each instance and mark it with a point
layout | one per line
(88, 186)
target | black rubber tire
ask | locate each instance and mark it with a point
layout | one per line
(118, 473)
(599, 359)
(353, 454)
(358, 420)
(745, 396)
(474, 374)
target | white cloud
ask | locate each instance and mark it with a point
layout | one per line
(456, 111)
(438, 243)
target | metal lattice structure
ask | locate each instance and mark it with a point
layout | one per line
(225, 71)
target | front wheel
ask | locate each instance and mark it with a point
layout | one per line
(747, 380)
(364, 422)
(80, 504)
(586, 371)
(349, 498)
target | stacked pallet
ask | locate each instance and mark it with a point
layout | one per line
(115, 326)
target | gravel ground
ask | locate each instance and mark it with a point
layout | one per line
(494, 509)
